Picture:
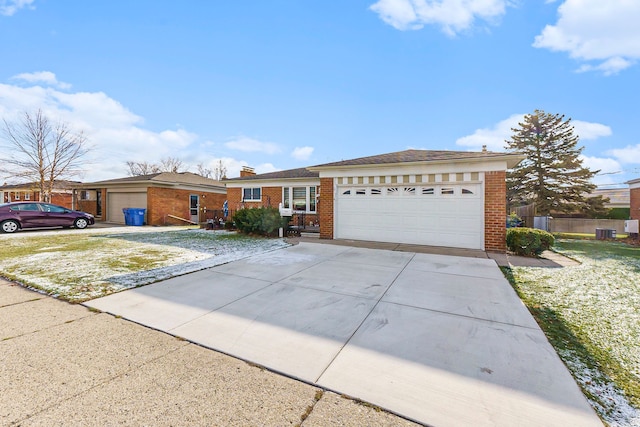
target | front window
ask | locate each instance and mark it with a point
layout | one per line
(300, 198)
(251, 194)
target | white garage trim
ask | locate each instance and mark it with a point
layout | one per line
(404, 211)
(116, 201)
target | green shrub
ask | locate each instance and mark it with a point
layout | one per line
(264, 221)
(528, 241)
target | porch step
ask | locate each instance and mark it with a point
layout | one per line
(309, 234)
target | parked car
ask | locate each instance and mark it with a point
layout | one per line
(18, 215)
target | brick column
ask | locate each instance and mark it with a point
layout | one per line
(325, 206)
(495, 211)
(634, 194)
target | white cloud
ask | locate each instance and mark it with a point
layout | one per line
(453, 16)
(302, 153)
(9, 7)
(494, 138)
(118, 135)
(590, 131)
(246, 144)
(627, 155)
(46, 77)
(610, 170)
(604, 32)
(114, 132)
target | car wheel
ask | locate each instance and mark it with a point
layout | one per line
(80, 223)
(9, 226)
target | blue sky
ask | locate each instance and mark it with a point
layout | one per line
(277, 84)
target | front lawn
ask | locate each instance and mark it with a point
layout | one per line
(78, 266)
(591, 315)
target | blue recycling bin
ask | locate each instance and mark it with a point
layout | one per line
(137, 216)
(127, 216)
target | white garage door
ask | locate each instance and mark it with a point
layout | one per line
(440, 215)
(118, 201)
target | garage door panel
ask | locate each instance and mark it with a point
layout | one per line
(403, 216)
(116, 201)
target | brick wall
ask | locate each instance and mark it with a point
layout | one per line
(325, 208)
(271, 196)
(168, 201)
(88, 206)
(495, 208)
(635, 203)
(62, 199)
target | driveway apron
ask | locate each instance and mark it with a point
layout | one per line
(442, 340)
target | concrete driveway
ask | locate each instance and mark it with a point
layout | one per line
(442, 340)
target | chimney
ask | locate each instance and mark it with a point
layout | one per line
(247, 171)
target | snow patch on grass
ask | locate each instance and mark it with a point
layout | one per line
(608, 400)
(92, 265)
(599, 301)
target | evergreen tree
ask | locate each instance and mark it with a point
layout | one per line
(552, 176)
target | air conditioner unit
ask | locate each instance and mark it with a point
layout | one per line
(631, 226)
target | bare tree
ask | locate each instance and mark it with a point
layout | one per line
(168, 164)
(42, 152)
(204, 171)
(172, 164)
(142, 168)
(220, 170)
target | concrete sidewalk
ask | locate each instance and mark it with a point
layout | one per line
(63, 364)
(443, 340)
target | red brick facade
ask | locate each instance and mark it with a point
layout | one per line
(271, 197)
(162, 202)
(91, 206)
(635, 203)
(325, 208)
(495, 211)
(62, 199)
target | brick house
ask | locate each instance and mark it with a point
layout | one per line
(61, 194)
(169, 198)
(439, 198)
(296, 189)
(634, 198)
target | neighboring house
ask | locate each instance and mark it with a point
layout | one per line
(634, 202)
(619, 198)
(619, 201)
(169, 198)
(61, 194)
(439, 198)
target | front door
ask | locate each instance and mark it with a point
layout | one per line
(194, 207)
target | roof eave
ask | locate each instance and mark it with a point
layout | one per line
(272, 180)
(511, 159)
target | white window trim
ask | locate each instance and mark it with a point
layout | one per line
(307, 198)
(251, 199)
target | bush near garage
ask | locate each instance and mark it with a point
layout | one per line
(528, 241)
(263, 221)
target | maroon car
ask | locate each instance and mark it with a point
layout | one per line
(17, 215)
